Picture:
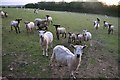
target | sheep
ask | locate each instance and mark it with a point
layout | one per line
(106, 24)
(80, 38)
(110, 28)
(29, 26)
(49, 19)
(97, 23)
(15, 24)
(72, 37)
(3, 14)
(60, 30)
(87, 36)
(46, 38)
(41, 23)
(64, 56)
(98, 20)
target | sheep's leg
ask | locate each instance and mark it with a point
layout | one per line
(90, 42)
(46, 51)
(16, 30)
(57, 36)
(65, 35)
(112, 31)
(62, 35)
(19, 29)
(51, 45)
(43, 52)
(51, 22)
(78, 65)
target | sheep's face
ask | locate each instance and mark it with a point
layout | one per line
(78, 50)
(41, 33)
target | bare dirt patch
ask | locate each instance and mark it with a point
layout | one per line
(96, 63)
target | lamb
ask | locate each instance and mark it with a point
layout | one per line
(16, 24)
(49, 19)
(41, 23)
(80, 38)
(72, 37)
(29, 26)
(97, 23)
(64, 56)
(110, 28)
(60, 30)
(87, 36)
(46, 38)
(106, 24)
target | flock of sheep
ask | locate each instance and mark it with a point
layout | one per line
(60, 53)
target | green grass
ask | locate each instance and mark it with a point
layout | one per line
(27, 48)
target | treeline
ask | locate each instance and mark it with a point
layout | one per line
(82, 7)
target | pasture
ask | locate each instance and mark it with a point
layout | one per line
(22, 54)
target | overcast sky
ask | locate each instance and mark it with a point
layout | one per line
(23, 2)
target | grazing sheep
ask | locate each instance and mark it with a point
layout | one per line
(41, 23)
(106, 24)
(110, 28)
(46, 38)
(64, 56)
(29, 26)
(72, 37)
(87, 36)
(60, 30)
(49, 19)
(15, 24)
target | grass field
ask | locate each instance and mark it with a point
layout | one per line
(22, 55)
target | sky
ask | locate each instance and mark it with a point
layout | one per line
(23, 2)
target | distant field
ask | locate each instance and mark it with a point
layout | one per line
(22, 52)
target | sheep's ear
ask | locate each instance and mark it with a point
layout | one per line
(45, 31)
(72, 46)
(83, 47)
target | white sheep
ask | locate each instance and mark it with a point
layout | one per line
(87, 36)
(64, 56)
(15, 24)
(60, 30)
(72, 37)
(29, 26)
(96, 25)
(46, 39)
(106, 24)
(3, 14)
(80, 38)
(49, 19)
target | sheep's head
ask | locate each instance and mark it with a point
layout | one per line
(56, 26)
(104, 22)
(26, 22)
(19, 19)
(41, 33)
(78, 50)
